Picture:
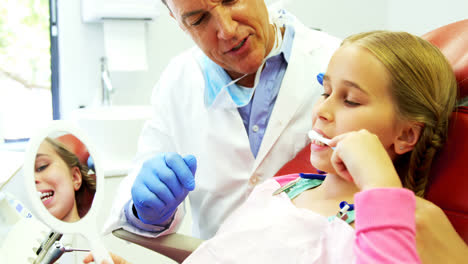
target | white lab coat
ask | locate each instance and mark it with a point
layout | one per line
(227, 170)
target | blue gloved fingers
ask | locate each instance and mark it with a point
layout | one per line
(182, 170)
(161, 190)
(149, 207)
(191, 162)
(161, 185)
(169, 178)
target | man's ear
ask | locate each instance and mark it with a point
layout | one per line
(76, 178)
(409, 136)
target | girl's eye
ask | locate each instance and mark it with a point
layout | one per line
(351, 103)
(41, 168)
(325, 95)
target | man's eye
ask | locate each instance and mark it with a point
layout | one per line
(229, 1)
(198, 21)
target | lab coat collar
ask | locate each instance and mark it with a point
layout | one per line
(290, 97)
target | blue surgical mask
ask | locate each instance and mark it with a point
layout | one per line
(221, 90)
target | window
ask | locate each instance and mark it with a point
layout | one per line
(25, 68)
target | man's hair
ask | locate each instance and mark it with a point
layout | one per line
(423, 87)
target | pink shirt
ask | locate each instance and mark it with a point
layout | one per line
(270, 229)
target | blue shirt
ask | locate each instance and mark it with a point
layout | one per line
(257, 113)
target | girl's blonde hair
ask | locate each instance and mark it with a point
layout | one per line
(88, 185)
(424, 90)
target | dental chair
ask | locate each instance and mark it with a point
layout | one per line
(449, 174)
(76, 146)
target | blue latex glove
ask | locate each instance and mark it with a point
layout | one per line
(161, 185)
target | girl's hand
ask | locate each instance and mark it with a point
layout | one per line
(359, 156)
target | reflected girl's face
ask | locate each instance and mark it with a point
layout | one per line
(56, 183)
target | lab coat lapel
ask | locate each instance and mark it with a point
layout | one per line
(290, 96)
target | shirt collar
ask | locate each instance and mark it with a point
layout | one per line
(288, 38)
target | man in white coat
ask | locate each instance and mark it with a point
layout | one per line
(228, 114)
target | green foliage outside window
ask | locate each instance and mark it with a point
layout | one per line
(25, 42)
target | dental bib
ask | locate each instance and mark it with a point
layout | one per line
(270, 229)
(221, 91)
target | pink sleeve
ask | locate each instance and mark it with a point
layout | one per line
(285, 179)
(385, 226)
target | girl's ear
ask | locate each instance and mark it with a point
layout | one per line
(408, 137)
(76, 178)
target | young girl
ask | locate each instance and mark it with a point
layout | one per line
(386, 103)
(61, 179)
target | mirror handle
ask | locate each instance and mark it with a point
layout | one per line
(99, 252)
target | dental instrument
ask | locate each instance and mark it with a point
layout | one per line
(315, 135)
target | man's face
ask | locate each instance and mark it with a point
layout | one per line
(235, 34)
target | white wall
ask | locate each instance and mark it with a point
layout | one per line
(421, 16)
(340, 17)
(81, 46)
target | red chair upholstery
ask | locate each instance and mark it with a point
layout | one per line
(76, 146)
(452, 40)
(449, 174)
(448, 187)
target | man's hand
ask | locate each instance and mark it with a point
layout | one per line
(161, 185)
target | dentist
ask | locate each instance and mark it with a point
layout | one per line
(228, 114)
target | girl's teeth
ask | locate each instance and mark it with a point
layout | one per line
(46, 195)
(316, 142)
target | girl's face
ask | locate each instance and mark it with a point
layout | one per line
(57, 183)
(356, 96)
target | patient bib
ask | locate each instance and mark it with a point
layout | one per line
(270, 229)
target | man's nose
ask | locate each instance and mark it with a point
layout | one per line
(226, 27)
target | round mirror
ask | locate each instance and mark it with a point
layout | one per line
(64, 176)
(64, 182)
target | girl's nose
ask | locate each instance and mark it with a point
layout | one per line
(37, 178)
(324, 110)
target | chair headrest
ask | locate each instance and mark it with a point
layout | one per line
(452, 40)
(76, 146)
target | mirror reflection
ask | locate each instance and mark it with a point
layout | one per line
(64, 177)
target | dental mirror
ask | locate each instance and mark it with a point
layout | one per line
(64, 192)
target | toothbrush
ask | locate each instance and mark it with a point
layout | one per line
(315, 135)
